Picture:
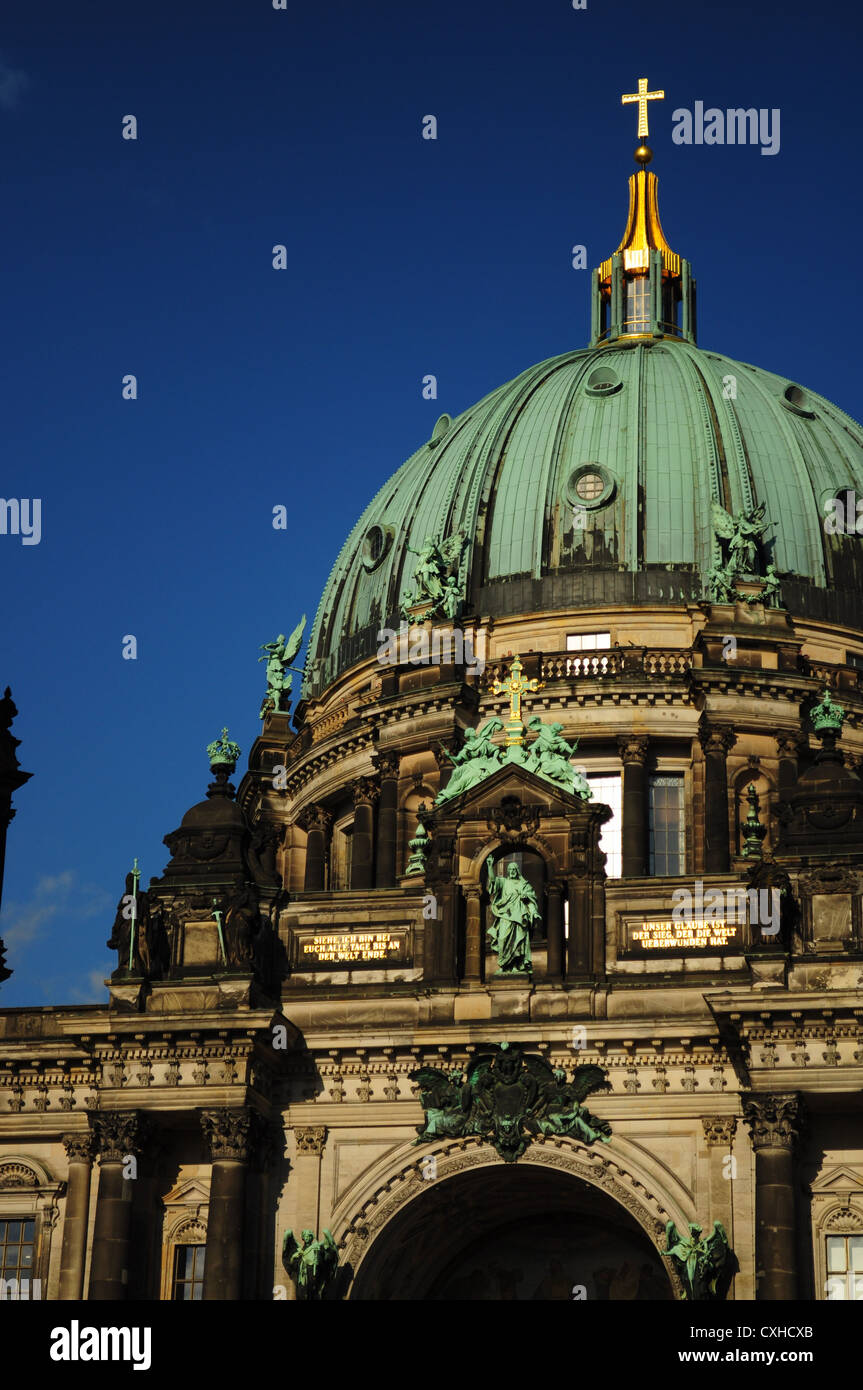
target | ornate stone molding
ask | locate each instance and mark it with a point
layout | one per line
(79, 1147)
(227, 1133)
(119, 1133)
(719, 1130)
(774, 1120)
(411, 1181)
(310, 1139)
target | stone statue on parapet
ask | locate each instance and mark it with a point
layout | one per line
(474, 761)
(278, 656)
(436, 590)
(701, 1262)
(514, 911)
(313, 1263)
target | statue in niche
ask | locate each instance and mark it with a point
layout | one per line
(313, 1263)
(473, 762)
(278, 656)
(242, 921)
(701, 1262)
(514, 911)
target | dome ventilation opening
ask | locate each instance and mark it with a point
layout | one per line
(795, 399)
(441, 428)
(603, 382)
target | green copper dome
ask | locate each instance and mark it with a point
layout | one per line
(640, 436)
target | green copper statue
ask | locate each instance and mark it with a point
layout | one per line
(435, 584)
(514, 910)
(278, 656)
(552, 754)
(313, 1264)
(475, 761)
(509, 1098)
(700, 1262)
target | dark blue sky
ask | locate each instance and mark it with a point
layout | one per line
(303, 387)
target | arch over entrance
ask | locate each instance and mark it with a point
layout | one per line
(498, 1231)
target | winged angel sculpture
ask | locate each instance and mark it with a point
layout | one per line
(700, 1261)
(278, 656)
(509, 1099)
(435, 578)
(312, 1264)
(741, 538)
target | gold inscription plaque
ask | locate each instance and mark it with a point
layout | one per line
(350, 948)
(700, 934)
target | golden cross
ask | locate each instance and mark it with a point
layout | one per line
(642, 96)
(515, 686)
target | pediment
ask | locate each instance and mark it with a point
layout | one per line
(188, 1193)
(838, 1180)
(534, 793)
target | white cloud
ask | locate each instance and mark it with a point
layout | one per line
(55, 895)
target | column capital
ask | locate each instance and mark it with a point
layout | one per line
(774, 1120)
(315, 818)
(387, 764)
(364, 790)
(789, 745)
(719, 1130)
(120, 1133)
(633, 748)
(310, 1139)
(227, 1133)
(716, 738)
(80, 1147)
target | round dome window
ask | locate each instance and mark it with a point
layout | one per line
(590, 485)
(376, 543)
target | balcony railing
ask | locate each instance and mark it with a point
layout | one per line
(650, 663)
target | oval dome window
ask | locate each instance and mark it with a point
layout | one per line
(376, 543)
(590, 485)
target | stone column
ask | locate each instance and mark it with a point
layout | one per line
(554, 929)
(473, 952)
(788, 746)
(385, 860)
(79, 1151)
(719, 1132)
(316, 822)
(633, 755)
(120, 1135)
(716, 743)
(227, 1135)
(774, 1123)
(365, 794)
(580, 926)
(306, 1180)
